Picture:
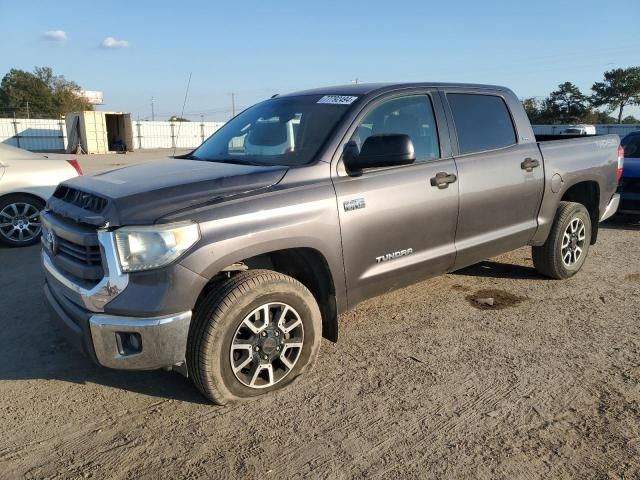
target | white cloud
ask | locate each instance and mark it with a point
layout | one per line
(110, 42)
(55, 36)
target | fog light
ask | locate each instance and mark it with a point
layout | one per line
(129, 343)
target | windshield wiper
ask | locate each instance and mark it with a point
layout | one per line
(187, 156)
(235, 161)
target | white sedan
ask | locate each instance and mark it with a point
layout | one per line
(27, 180)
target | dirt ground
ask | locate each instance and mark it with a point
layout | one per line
(425, 382)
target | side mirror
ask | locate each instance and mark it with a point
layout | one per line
(379, 151)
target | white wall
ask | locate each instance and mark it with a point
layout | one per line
(34, 134)
(172, 134)
(51, 135)
(601, 129)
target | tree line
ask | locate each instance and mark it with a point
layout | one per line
(39, 94)
(619, 89)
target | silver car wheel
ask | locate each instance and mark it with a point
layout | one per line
(573, 242)
(20, 222)
(267, 345)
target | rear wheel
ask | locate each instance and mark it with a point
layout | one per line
(567, 246)
(20, 220)
(254, 333)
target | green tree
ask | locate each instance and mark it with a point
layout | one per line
(596, 116)
(630, 119)
(175, 118)
(40, 93)
(532, 107)
(621, 87)
(19, 87)
(567, 104)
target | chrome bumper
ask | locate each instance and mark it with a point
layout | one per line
(612, 207)
(96, 297)
(163, 340)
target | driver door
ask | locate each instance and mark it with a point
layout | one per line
(398, 227)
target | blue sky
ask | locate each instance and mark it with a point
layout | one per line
(137, 49)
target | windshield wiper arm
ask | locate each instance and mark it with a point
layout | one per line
(187, 156)
(235, 161)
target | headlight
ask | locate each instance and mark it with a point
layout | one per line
(154, 246)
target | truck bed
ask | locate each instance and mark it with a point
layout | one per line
(570, 160)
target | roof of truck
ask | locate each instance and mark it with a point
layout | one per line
(367, 88)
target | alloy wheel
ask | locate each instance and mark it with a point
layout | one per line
(20, 222)
(573, 242)
(267, 345)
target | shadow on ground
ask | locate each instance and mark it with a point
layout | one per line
(618, 222)
(493, 269)
(31, 347)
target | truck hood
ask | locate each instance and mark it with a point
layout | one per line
(631, 168)
(144, 193)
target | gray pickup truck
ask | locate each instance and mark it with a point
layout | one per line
(230, 263)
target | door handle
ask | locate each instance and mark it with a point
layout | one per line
(443, 179)
(529, 164)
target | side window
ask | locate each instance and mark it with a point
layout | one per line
(482, 122)
(411, 115)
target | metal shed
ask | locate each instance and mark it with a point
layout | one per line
(99, 132)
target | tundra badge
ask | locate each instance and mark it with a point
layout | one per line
(391, 256)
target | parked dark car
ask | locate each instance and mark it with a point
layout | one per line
(629, 188)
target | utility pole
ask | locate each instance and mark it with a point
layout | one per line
(28, 111)
(153, 113)
(233, 104)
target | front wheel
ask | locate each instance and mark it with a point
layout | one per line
(252, 334)
(20, 220)
(566, 248)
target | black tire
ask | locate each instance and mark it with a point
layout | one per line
(8, 235)
(548, 258)
(218, 318)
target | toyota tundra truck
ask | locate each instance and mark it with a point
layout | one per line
(229, 264)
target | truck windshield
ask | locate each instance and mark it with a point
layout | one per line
(280, 131)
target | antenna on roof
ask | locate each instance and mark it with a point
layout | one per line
(186, 94)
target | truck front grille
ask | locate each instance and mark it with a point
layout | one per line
(87, 255)
(73, 248)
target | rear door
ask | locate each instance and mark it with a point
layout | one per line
(396, 226)
(500, 174)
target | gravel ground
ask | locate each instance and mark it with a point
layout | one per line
(424, 383)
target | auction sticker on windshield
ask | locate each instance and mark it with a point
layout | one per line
(338, 99)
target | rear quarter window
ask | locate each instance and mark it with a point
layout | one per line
(482, 122)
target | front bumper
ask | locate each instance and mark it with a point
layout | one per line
(160, 341)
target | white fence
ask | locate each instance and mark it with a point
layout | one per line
(172, 134)
(601, 129)
(51, 135)
(34, 134)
